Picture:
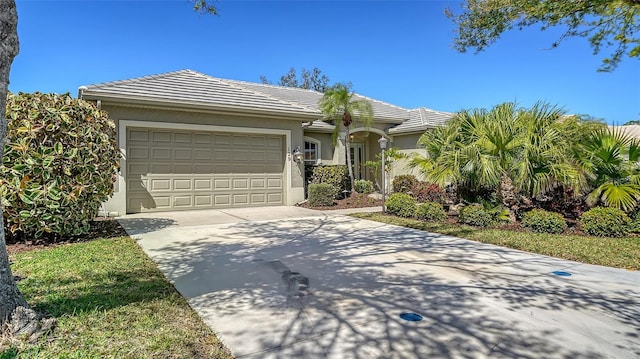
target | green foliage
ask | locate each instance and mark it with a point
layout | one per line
(428, 192)
(606, 23)
(321, 194)
(339, 107)
(606, 222)
(534, 148)
(401, 204)
(308, 79)
(59, 164)
(430, 211)
(403, 183)
(539, 220)
(333, 175)
(612, 159)
(364, 186)
(205, 7)
(391, 156)
(483, 215)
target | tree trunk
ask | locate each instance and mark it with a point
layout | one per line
(347, 145)
(10, 297)
(15, 315)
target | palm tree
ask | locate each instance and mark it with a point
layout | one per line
(480, 149)
(339, 106)
(613, 169)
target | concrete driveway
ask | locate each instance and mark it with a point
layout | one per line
(286, 282)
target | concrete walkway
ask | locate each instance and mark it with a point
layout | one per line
(287, 282)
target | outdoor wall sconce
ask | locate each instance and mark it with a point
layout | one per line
(297, 155)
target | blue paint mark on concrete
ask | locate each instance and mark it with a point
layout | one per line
(562, 273)
(411, 317)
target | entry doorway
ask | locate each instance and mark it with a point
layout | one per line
(357, 160)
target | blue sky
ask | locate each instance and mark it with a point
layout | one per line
(395, 51)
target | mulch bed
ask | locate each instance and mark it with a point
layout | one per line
(99, 228)
(356, 200)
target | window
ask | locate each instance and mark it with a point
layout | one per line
(311, 151)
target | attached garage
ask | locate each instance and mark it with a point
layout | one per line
(170, 169)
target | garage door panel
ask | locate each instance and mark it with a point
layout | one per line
(160, 168)
(258, 183)
(202, 184)
(240, 199)
(203, 201)
(162, 137)
(202, 154)
(135, 153)
(160, 154)
(160, 184)
(182, 184)
(168, 170)
(138, 135)
(182, 137)
(274, 198)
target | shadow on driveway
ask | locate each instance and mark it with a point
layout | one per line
(336, 286)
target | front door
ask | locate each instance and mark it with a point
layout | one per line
(357, 160)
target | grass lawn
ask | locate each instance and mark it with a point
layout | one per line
(110, 301)
(611, 252)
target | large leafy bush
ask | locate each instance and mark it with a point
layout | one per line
(60, 162)
(606, 222)
(401, 204)
(539, 220)
(336, 176)
(430, 211)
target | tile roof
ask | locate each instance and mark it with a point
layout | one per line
(421, 119)
(191, 88)
(188, 87)
(632, 131)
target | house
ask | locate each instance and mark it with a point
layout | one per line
(193, 141)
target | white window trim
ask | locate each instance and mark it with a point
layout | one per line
(318, 148)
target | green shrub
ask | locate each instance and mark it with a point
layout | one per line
(363, 186)
(430, 211)
(337, 176)
(401, 204)
(606, 222)
(403, 183)
(475, 215)
(635, 223)
(539, 220)
(428, 192)
(59, 164)
(321, 194)
(481, 216)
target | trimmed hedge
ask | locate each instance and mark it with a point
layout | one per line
(403, 183)
(401, 204)
(430, 211)
(337, 176)
(606, 222)
(59, 165)
(478, 215)
(539, 220)
(321, 194)
(363, 186)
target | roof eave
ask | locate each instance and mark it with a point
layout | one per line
(196, 106)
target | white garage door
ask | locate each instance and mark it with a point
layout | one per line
(173, 170)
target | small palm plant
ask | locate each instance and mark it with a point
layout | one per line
(613, 169)
(338, 105)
